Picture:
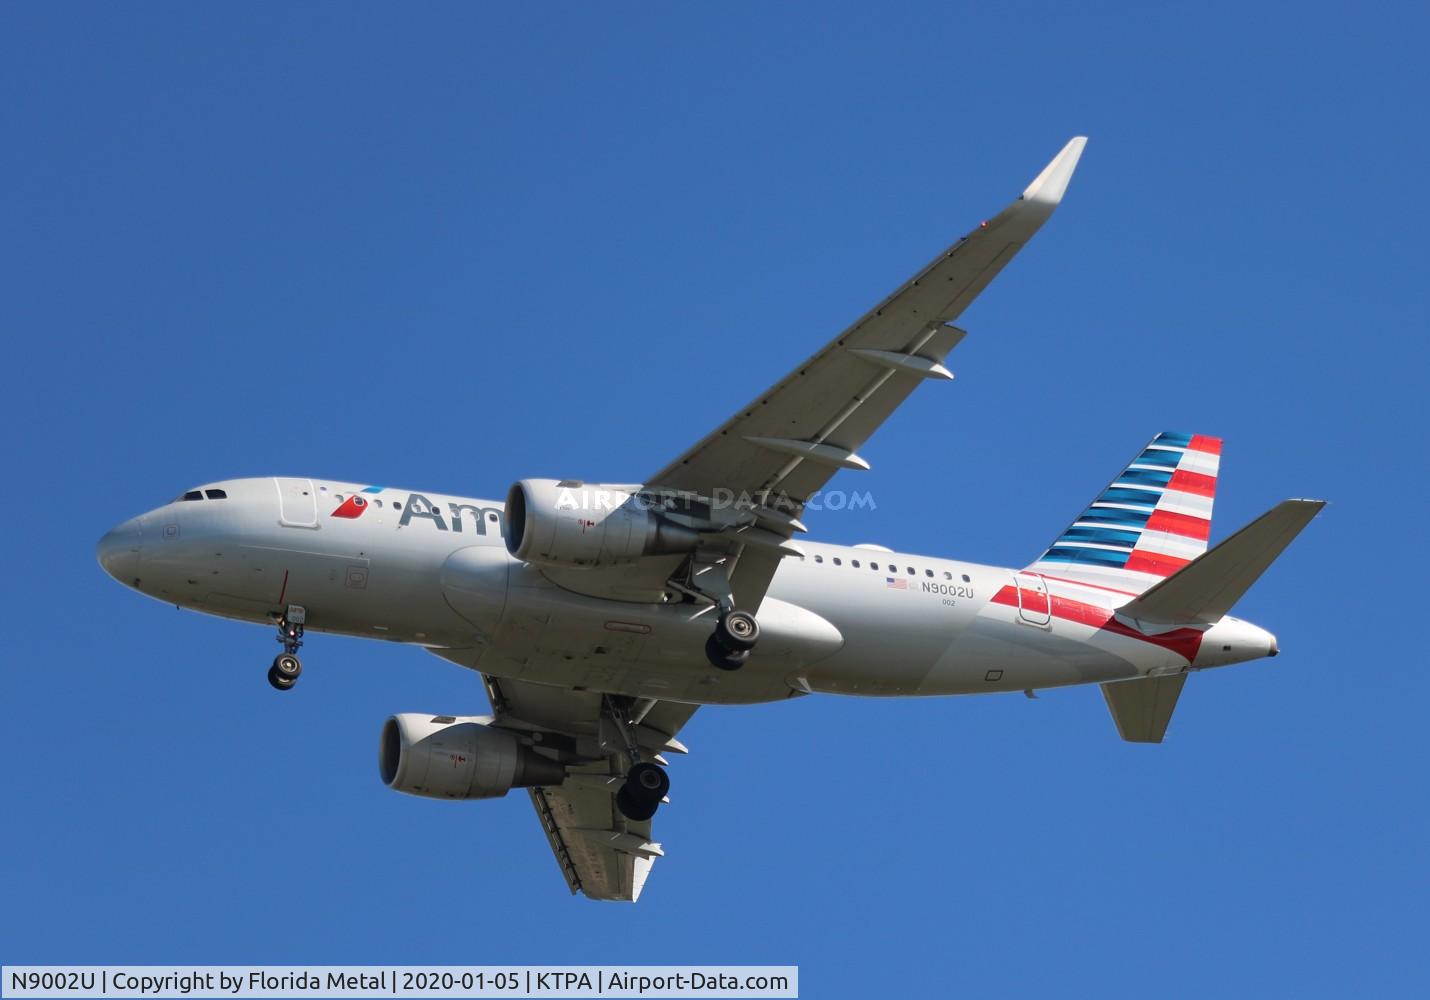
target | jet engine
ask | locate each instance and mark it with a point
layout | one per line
(568, 523)
(444, 757)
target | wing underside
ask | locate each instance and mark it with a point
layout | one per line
(601, 853)
(786, 444)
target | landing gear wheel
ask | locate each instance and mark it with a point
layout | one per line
(721, 658)
(278, 681)
(287, 667)
(648, 780)
(634, 808)
(646, 784)
(737, 631)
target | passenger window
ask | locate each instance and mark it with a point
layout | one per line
(911, 571)
(928, 572)
(819, 559)
(216, 494)
(872, 565)
(947, 575)
(854, 563)
(838, 561)
(966, 579)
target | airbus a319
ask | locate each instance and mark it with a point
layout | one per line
(602, 616)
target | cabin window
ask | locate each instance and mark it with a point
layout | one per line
(838, 561)
(854, 563)
(819, 559)
(928, 572)
(966, 579)
(873, 565)
(947, 575)
(911, 571)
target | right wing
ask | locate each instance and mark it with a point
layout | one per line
(601, 853)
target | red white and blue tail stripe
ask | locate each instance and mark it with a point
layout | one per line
(1148, 523)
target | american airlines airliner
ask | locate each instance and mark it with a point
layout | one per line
(600, 616)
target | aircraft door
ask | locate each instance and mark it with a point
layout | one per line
(1034, 605)
(297, 503)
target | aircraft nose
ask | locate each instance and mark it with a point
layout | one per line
(118, 551)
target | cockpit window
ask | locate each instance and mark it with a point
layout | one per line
(216, 494)
(193, 495)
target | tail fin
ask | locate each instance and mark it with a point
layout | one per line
(1207, 589)
(1149, 522)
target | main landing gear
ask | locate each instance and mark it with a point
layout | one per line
(736, 633)
(646, 783)
(286, 665)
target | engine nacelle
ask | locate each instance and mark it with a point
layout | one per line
(575, 524)
(444, 757)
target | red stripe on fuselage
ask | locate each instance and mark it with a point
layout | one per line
(1179, 524)
(1183, 641)
(1084, 583)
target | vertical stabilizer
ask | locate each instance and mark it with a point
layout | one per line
(1149, 522)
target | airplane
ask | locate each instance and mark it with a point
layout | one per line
(601, 616)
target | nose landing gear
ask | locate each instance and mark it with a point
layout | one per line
(286, 665)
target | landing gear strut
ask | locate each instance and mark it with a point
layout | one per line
(286, 665)
(646, 782)
(736, 631)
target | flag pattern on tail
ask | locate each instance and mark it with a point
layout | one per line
(1148, 523)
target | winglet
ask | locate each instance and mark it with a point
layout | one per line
(1048, 187)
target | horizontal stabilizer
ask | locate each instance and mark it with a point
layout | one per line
(1206, 588)
(1142, 708)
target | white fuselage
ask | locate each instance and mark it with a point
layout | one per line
(847, 620)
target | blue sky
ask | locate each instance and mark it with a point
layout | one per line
(452, 247)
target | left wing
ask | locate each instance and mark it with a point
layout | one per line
(601, 853)
(794, 437)
(786, 444)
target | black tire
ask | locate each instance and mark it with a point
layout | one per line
(737, 631)
(721, 658)
(633, 808)
(648, 781)
(287, 666)
(279, 682)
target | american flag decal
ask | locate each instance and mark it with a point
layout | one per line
(896, 583)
